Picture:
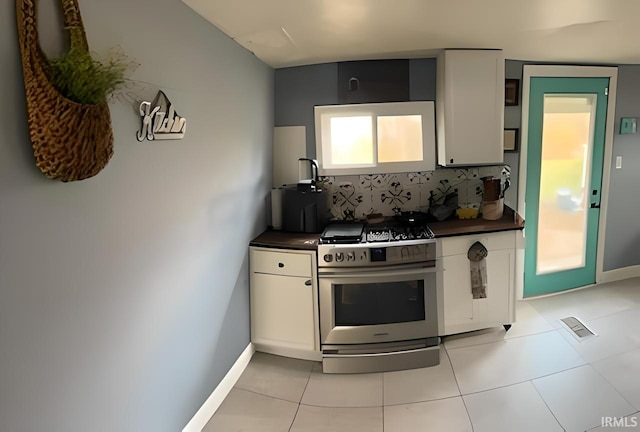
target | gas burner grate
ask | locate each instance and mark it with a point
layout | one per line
(398, 233)
(378, 235)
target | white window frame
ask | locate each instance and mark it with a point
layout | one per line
(426, 109)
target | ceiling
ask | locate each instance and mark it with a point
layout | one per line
(297, 32)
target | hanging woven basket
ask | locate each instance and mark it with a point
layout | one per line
(71, 141)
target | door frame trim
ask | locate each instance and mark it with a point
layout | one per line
(531, 71)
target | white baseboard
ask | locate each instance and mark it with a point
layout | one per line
(552, 294)
(620, 274)
(213, 402)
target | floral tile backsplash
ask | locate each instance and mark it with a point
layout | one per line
(356, 197)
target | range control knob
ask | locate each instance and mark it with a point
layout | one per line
(328, 258)
(351, 256)
(339, 257)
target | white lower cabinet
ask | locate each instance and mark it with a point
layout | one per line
(460, 311)
(284, 302)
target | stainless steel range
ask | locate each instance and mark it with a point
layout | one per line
(378, 297)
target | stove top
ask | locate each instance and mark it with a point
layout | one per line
(356, 233)
(375, 245)
(397, 232)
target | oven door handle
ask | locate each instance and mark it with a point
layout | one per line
(372, 273)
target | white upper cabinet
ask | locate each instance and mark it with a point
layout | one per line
(375, 138)
(470, 107)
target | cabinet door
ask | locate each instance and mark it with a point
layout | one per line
(500, 284)
(462, 312)
(282, 311)
(471, 107)
(458, 300)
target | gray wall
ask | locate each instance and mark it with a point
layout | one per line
(124, 297)
(512, 120)
(623, 230)
(299, 89)
(422, 79)
(294, 106)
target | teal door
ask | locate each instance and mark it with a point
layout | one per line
(566, 136)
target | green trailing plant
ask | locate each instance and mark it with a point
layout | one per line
(87, 80)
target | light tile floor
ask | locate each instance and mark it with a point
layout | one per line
(537, 377)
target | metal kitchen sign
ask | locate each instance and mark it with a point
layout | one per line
(160, 121)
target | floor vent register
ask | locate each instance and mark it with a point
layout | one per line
(580, 330)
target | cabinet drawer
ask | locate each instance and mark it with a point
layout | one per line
(492, 241)
(281, 263)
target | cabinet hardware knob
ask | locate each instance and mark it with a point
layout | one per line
(308, 283)
(451, 161)
(280, 265)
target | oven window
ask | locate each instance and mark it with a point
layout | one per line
(379, 303)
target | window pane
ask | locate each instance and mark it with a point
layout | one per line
(400, 138)
(567, 138)
(351, 140)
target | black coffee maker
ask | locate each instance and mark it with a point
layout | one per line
(305, 206)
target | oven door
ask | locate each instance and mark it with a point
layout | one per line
(363, 306)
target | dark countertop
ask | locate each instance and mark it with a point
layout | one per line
(509, 221)
(286, 240)
(303, 241)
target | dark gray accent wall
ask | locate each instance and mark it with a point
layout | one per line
(622, 229)
(298, 90)
(422, 79)
(124, 297)
(373, 81)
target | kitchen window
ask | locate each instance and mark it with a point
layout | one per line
(375, 138)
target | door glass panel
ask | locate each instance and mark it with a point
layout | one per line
(567, 140)
(351, 140)
(399, 138)
(379, 303)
